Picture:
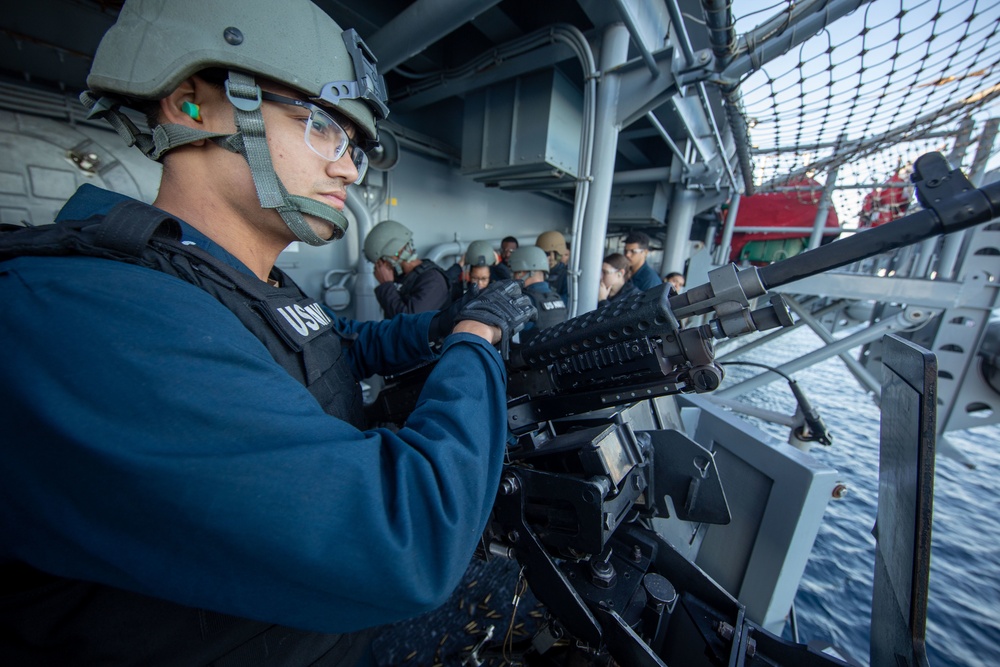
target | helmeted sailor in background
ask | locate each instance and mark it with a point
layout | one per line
(530, 266)
(479, 266)
(185, 478)
(407, 284)
(553, 244)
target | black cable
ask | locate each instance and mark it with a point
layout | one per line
(764, 366)
(814, 430)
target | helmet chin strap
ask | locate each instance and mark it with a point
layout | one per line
(251, 142)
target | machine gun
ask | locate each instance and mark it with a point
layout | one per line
(581, 485)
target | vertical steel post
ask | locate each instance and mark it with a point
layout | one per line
(722, 254)
(614, 52)
(824, 208)
(675, 247)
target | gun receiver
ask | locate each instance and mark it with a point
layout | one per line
(581, 487)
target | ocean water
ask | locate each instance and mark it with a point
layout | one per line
(834, 599)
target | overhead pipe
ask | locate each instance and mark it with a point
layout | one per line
(742, 147)
(764, 43)
(418, 26)
(721, 28)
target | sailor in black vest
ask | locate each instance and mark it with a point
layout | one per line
(407, 284)
(479, 266)
(185, 478)
(530, 266)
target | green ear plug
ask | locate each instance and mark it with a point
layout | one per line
(191, 109)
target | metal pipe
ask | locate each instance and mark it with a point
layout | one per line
(904, 320)
(752, 410)
(741, 140)
(984, 150)
(677, 19)
(798, 27)
(921, 268)
(721, 29)
(655, 122)
(647, 57)
(452, 248)
(366, 306)
(823, 210)
(651, 175)
(788, 230)
(722, 256)
(861, 374)
(614, 52)
(707, 107)
(675, 246)
(418, 26)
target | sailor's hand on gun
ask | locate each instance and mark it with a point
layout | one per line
(502, 308)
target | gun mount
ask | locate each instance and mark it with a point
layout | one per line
(581, 486)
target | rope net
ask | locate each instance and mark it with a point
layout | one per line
(871, 92)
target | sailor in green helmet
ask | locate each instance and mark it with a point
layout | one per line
(187, 478)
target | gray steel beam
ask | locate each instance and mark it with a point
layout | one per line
(651, 175)
(913, 291)
(904, 321)
(641, 93)
(677, 20)
(418, 26)
(655, 122)
(861, 374)
(633, 31)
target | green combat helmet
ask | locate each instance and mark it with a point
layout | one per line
(529, 258)
(157, 44)
(391, 241)
(480, 253)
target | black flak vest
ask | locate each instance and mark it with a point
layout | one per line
(49, 620)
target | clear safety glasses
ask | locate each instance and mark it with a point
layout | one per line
(324, 136)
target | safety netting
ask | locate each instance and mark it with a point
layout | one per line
(873, 90)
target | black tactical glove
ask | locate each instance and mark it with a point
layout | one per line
(446, 319)
(501, 305)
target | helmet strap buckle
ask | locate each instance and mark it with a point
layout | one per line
(242, 96)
